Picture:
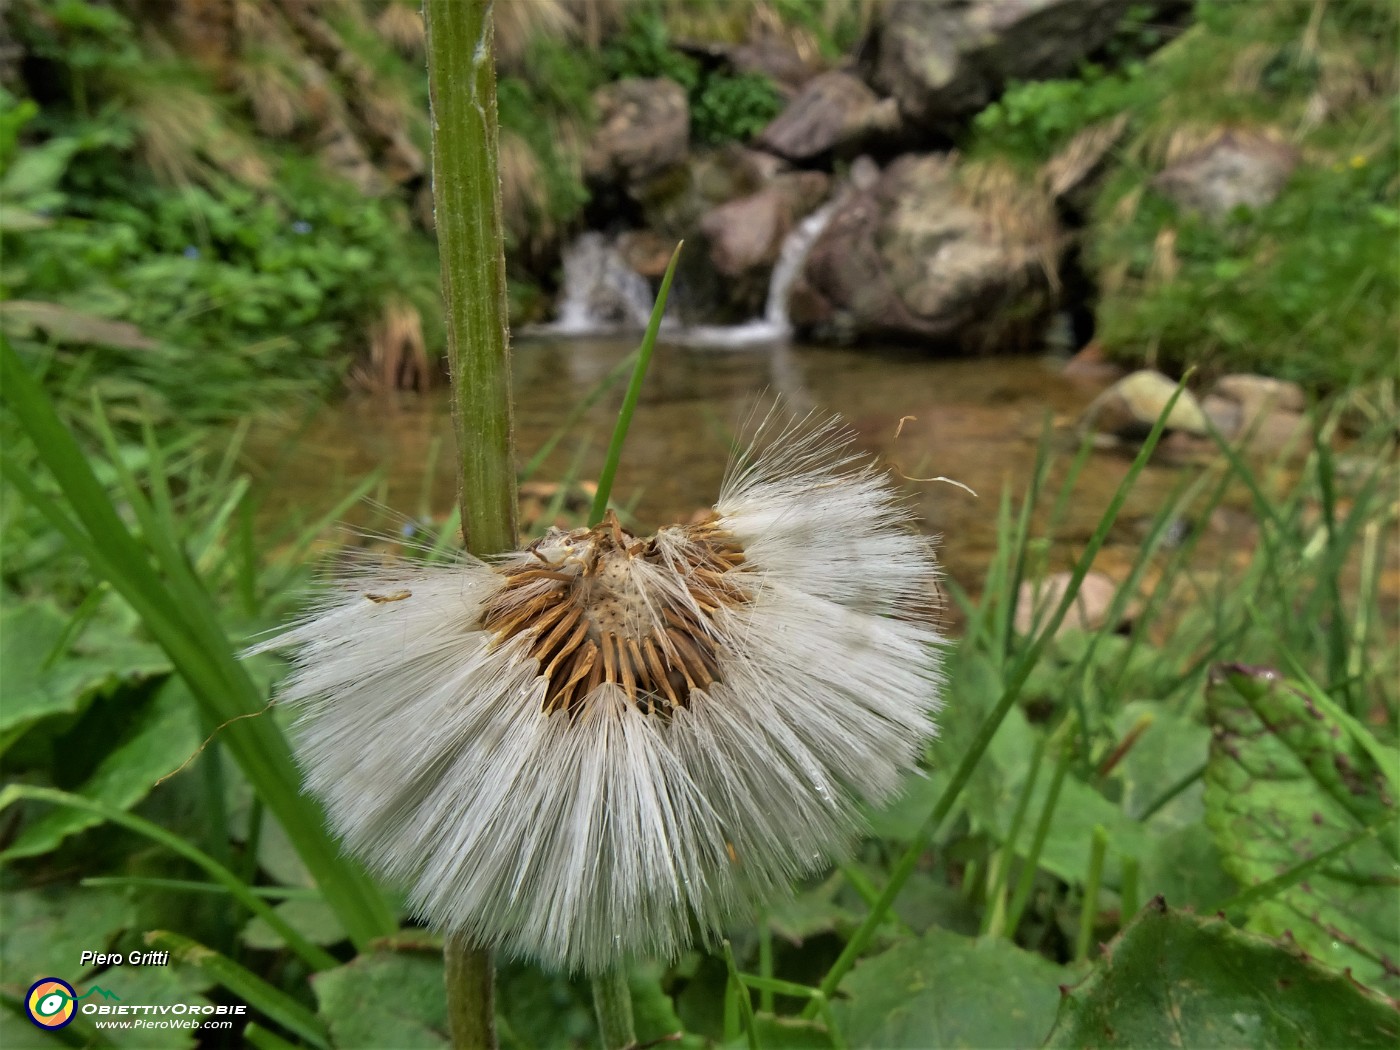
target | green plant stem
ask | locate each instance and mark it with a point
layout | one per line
(1026, 881)
(466, 195)
(1016, 681)
(612, 1002)
(1090, 913)
(470, 977)
(634, 391)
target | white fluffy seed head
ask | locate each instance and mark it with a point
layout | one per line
(603, 745)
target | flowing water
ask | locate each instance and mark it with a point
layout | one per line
(975, 421)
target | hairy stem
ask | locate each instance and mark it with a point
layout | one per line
(466, 196)
(612, 1002)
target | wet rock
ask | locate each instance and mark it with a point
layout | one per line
(1038, 600)
(1235, 169)
(643, 130)
(646, 252)
(1130, 407)
(746, 235)
(1257, 394)
(936, 254)
(833, 112)
(772, 56)
(944, 60)
(1264, 414)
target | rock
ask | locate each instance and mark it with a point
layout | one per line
(771, 55)
(1263, 413)
(1223, 414)
(746, 235)
(1038, 601)
(1092, 365)
(835, 111)
(1256, 394)
(646, 252)
(643, 130)
(1130, 407)
(1236, 168)
(944, 60)
(932, 253)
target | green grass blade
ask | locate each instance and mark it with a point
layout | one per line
(634, 392)
(272, 1002)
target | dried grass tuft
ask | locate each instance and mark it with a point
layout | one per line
(398, 356)
(401, 25)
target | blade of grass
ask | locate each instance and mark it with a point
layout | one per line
(741, 993)
(1026, 881)
(1088, 916)
(634, 391)
(272, 1002)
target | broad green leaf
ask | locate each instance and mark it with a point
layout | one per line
(97, 661)
(1184, 866)
(944, 990)
(1167, 751)
(45, 932)
(1284, 783)
(158, 985)
(786, 1033)
(312, 917)
(1174, 979)
(160, 738)
(385, 998)
(997, 787)
(814, 910)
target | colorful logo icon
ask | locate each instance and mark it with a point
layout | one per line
(50, 1003)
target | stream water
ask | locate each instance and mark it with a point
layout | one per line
(975, 421)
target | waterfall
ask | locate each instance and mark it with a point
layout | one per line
(773, 326)
(602, 294)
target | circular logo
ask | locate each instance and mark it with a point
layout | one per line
(49, 1003)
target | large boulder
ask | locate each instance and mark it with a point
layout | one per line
(1235, 169)
(746, 235)
(643, 130)
(945, 60)
(835, 112)
(933, 253)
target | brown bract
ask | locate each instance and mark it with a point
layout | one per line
(616, 608)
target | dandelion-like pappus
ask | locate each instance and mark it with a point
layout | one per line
(603, 745)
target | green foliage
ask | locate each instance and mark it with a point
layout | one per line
(728, 108)
(1173, 979)
(243, 289)
(1287, 781)
(1306, 288)
(643, 49)
(724, 107)
(1032, 120)
(945, 990)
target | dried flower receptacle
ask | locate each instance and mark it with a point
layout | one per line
(600, 745)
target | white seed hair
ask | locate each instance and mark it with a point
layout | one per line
(581, 838)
